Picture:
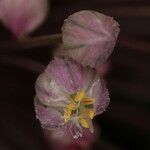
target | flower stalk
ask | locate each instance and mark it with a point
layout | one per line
(28, 43)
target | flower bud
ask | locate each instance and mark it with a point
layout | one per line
(89, 37)
(22, 16)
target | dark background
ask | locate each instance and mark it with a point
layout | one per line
(126, 123)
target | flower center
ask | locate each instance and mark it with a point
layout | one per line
(80, 109)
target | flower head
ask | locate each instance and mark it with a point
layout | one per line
(89, 37)
(68, 96)
(22, 16)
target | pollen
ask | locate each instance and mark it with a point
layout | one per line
(78, 96)
(67, 115)
(72, 106)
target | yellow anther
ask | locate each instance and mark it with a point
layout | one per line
(67, 115)
(83, 122)
(78, 96)
(90, 113)
(72, 106)
(81, 107)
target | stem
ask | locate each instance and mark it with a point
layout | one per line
(30, 43)
(23, 63)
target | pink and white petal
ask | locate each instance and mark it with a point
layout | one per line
(49, 117)
(96, 89)
(66, 73)
(49, 92)
(90, 54)
(90, 77)
(27, 15)
(103, 101)
(37, 14)
(92, 33)
(78, 74)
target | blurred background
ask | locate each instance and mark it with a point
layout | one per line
(126, 123)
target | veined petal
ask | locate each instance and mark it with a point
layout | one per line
(67, 73)
(103, 101)
(89, 37)
(49, 92)
(23, 16)
(96, 89)
(50, 118)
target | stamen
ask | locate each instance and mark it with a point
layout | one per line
(80, 113)
(78, 96)
(83, 122)
(72, 106)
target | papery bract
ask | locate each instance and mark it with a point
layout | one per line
(89, 37)
(22, 16)
(67, 97)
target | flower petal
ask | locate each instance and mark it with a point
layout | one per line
(67, 73)
(103, 101)
(22, 16)
(49, 117)
(49, 92)
(97, 90)
(89, 37)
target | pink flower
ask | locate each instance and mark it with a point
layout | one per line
(89, 37)
(22, 16)
(68, 96)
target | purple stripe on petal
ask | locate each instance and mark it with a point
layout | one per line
(95, 52)
(66, 73)
(58, 71)
(78, 74)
